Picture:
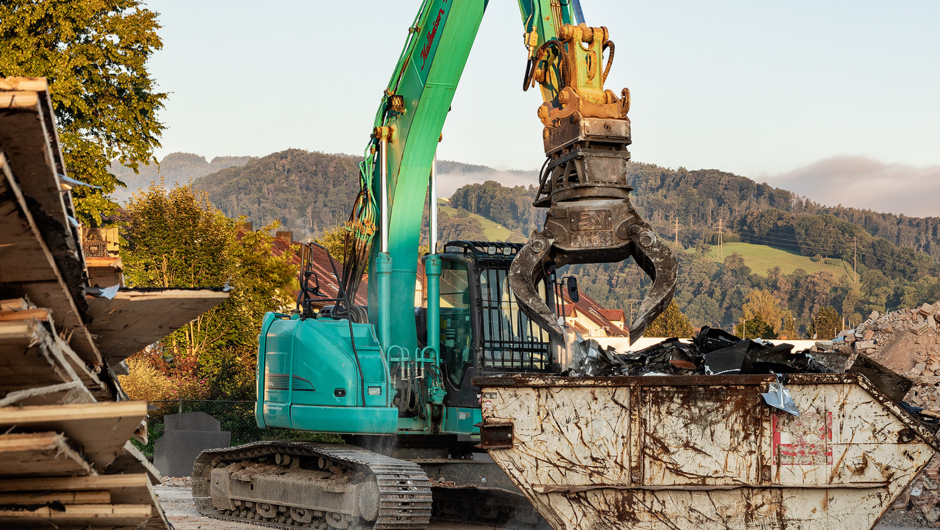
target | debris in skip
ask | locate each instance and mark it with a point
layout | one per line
(711, 352)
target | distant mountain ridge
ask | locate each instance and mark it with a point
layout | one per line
(310, 191)
(175, 168)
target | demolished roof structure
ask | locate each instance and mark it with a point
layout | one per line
(65, 456)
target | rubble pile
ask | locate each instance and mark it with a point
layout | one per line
(907, 342)
(711, 352)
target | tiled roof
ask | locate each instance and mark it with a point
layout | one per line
(320, 264)
(576, 325)
(612, 314)
(595, 312)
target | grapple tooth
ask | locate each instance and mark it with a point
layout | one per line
(527, 270)
(541, 254)
(655, 258)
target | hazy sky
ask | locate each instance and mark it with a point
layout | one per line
(785, 92)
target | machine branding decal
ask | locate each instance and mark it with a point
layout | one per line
(591, 220)
(431, 34)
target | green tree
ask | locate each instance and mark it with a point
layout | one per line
(790, 330)
(671, 323)
(176, 239)
(334, 240)
(94, 56)
(762, 305)
(754, 328)
(826, 323)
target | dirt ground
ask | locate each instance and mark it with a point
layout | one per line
(177, 501)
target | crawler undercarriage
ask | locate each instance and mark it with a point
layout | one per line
(343, 486)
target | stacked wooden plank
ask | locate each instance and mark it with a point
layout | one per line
(65, 456)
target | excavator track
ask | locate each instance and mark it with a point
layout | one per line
(311, 485)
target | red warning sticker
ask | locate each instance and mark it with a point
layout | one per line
(802, 440)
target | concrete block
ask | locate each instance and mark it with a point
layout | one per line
(191, 421)
(175, 452)
(184, 437)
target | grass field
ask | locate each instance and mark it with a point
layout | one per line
(493, 231)
(761, 257)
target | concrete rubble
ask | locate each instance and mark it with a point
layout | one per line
(907, 343)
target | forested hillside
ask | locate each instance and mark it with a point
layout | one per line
(175, 168)
(700, 199)
(306, 192)
(310, 192)
(712, 293)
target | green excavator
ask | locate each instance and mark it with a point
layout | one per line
(393, 380)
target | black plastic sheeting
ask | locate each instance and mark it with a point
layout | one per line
(711, 352)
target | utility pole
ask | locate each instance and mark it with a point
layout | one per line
(855, 261)
(677, 231)
(720, 238)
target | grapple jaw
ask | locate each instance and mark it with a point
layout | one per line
(590, 220)
(541, 254)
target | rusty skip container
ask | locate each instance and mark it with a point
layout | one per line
(702, 452)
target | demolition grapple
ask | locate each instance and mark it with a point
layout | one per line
(584, 181)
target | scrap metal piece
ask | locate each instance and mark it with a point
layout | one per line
(495, 435)
(779, 397)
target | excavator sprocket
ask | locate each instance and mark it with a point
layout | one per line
(311, 485)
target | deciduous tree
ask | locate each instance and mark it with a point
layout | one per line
(762, 305)
(94, 55)
(754, 328)
(826, 323)
(671, 323)
(177, 239)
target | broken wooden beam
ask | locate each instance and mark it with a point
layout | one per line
(37, 454)
(101, 429)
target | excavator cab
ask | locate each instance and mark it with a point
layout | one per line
(483, 330)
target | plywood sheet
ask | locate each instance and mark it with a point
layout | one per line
(131, 460)
(25, 256)
(64, 497)
(134, 319)
(29, 139)
(27, 262)
(37, 454)
(100, 429)
(78, 516)
(133, 489)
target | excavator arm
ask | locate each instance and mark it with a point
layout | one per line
(583, 183)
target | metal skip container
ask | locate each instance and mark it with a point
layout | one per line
(702, 452)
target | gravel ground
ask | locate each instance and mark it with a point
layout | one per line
(177, 501)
